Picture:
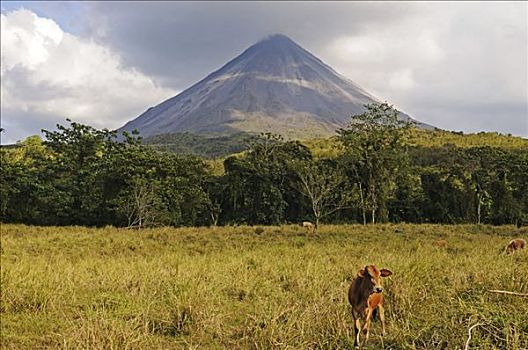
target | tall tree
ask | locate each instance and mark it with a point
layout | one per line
(374, 145)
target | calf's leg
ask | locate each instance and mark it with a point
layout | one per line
(382, 318)
(366, 326)
(357, 328)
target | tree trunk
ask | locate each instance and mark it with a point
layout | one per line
(214, 218)
(479, 201)
(373, 198)
(363, 209)
(317, 214)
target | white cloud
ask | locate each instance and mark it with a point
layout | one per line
(48, 75)
(461, 66)
(402, 80)
(27, 46)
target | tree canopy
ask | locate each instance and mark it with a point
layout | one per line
(376, 172)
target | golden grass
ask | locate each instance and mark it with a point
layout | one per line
(231, 288)
(331, 147)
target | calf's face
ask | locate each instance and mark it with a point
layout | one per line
(372, 277)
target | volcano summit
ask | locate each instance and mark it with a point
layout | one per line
(273, 86)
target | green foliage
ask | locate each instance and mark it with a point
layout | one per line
(440, 138)
(199, 145)
(26, 191)
(481, 184)
(375, 171)
(81, 175)
(374, 151)
(419, 138)
(258, 184)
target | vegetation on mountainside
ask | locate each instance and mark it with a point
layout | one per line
(419, 138)
(221, 146)
(209, 147)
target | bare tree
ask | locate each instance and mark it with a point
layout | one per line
(214, 213)
(141, 205)
(322, 183)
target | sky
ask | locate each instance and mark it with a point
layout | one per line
(460, 66)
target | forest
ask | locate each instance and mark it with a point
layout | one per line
(377, 170)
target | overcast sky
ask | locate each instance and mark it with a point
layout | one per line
(458, 66)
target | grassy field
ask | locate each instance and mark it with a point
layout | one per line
(240, 288)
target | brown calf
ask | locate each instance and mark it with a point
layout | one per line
(441, 243)
(365, 297)
(514, 245)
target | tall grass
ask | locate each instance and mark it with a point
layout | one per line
(236, 288)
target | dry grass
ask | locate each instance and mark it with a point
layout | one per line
(218, 288)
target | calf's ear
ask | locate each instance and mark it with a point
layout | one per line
(385, 272)
(361, 273)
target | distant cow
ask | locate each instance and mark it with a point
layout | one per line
(441, 243)
(309, 226)
(514, 245)
(366, 298)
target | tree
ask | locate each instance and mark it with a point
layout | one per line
(252, 193)
(215, 188)
(508, 188)
(76, 165)
(142, 205)
(100, 181)
(26, 190)
(258, 185)
(480, 162)
(405, 205)
(175, 184)
(374, 147)
(322, 183)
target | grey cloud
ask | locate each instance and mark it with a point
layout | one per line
(19, 123)
(481, 49)
(459, 66)
(22, 124)
(504, 118)
(179, 43)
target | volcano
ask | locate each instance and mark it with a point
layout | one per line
(273, 86)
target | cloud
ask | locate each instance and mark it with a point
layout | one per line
(48, 75)
(188, 40)
(418, 56)
(460, 66)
